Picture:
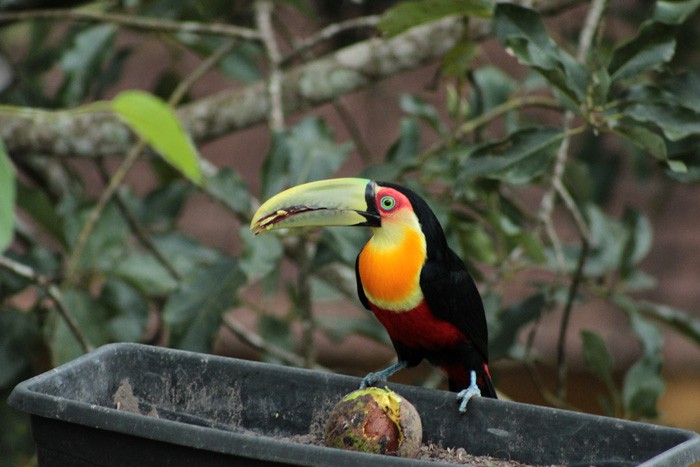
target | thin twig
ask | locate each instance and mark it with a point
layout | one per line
(134, 22)
(488, 117)
(543, 391)
(73, 263)
(263, 17)
(53, 292)
(573, 210)
(329, 32)
(303, 301)
(255, 341)
(566, 315)
(139, 230)
(504, 108)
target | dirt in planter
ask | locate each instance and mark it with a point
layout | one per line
(125, 399)
(428, 452)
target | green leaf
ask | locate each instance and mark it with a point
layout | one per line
(518, 159)
(313, 152)
(195, 311)
(532, 246)
(596, 355)
(521, 31)
(642, 387)
(653, 46)
(639, 240)
(83, 61)
(261, 254)
(408, 14)
(682, 89)
(457, 61)
(109, 239)
(145, 273)
(608, 238)
(648, 334)
(18, 337)
(643, 384)
(421, 109)
(37, 204)
(477, 244)
(242, 63)
(678, 167)
(676, 122)
(275, 169)
(679, 320)
(276, 331)
(228, 187)
(186, 254)
(407, 146)
(305, 153)
(161, 207)
(494, 87)
(128, 309)
(7, 199)
(156, 122)
(643, 138)
(674, 11)
(91, 318)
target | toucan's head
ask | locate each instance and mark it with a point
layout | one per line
(405, 231)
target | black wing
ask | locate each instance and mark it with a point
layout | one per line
(451, 294)
(360, 290)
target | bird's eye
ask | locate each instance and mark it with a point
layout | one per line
(388, 203)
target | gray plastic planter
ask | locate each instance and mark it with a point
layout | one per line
(128, 404)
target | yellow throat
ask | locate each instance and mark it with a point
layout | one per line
(390, 263)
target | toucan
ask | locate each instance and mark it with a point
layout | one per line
(407, 275)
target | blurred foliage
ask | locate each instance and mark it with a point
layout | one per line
(83, 271)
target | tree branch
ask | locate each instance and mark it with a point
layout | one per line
(347, 70)
(263, 17)
(134, 22)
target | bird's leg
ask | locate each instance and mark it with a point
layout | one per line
(373, 378)
(466, 394)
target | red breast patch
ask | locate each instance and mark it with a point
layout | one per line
(418, 328)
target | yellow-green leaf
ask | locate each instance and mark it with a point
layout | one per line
(7, 199)
(156, 122)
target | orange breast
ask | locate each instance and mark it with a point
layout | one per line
(390, 270)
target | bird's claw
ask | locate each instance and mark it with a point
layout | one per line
(371, 380)
(381, 376)
(465, 395)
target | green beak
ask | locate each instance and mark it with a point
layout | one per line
(340, 201)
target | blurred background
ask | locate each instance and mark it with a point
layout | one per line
(558, 146)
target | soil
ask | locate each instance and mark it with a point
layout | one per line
(429, 452)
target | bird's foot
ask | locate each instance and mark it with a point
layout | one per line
(465, 395)
(373, 378)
